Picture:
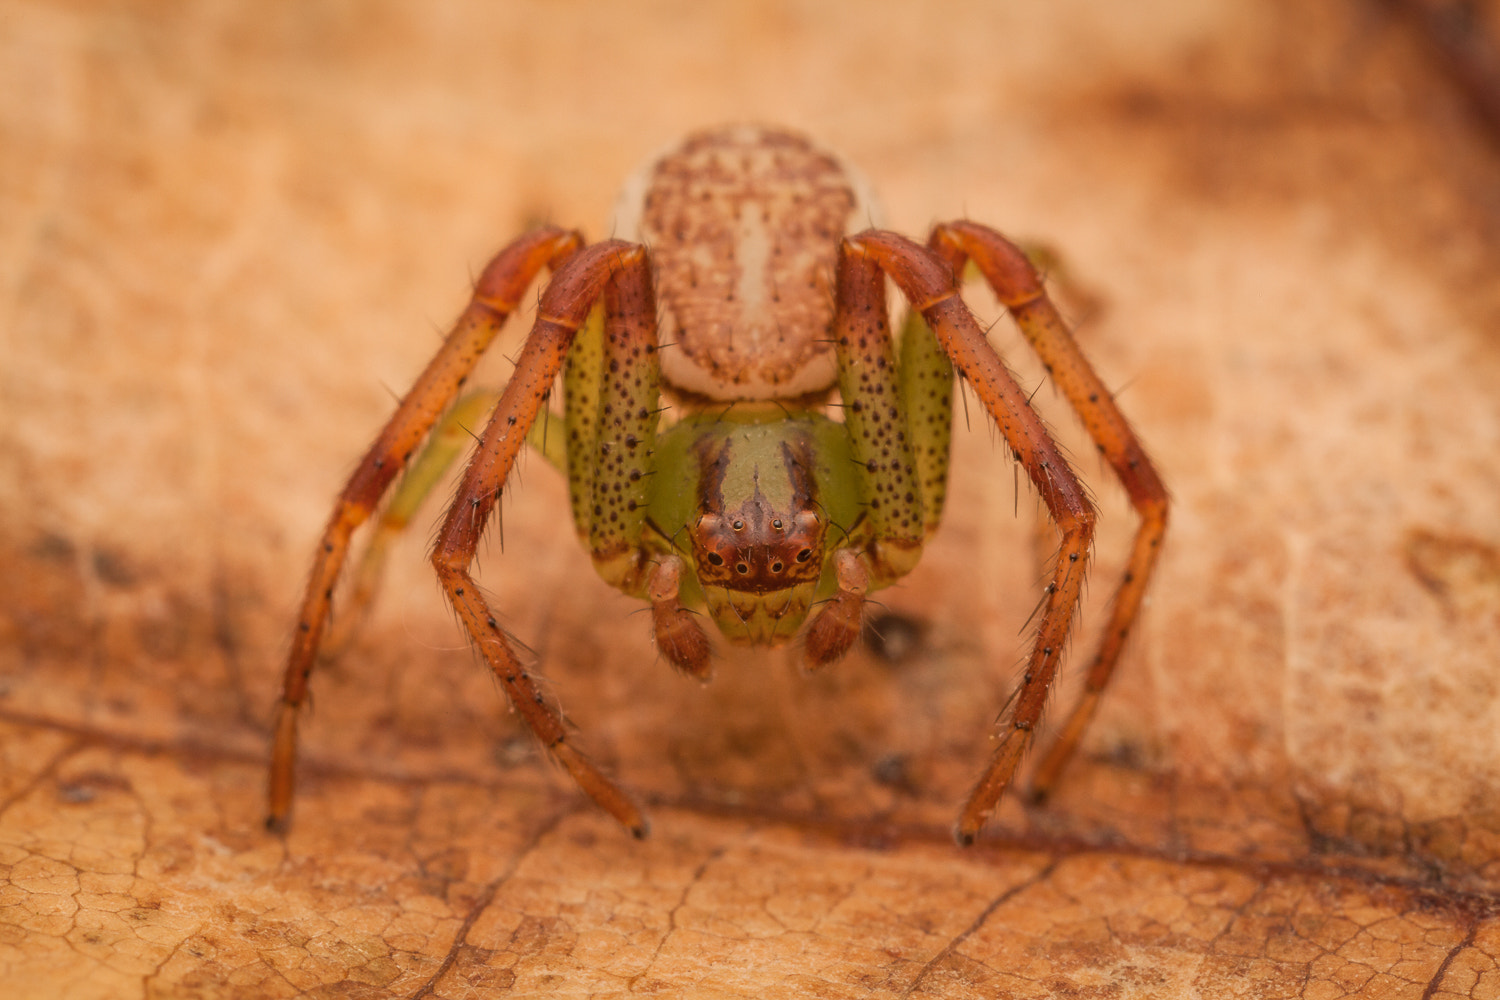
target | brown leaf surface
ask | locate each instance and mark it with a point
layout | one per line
(228, 232)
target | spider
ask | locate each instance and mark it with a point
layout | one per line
(751, 502)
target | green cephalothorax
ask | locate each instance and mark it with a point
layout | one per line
(755, 499)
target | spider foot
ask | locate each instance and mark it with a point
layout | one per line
(836, 627)
(681, 639)
(834, 630)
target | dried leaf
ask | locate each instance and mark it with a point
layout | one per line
(228, 242)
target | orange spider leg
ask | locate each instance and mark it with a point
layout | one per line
(1020, 289)
(621, 272)
(928, 283)
(499, 288)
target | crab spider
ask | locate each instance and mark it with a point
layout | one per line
(752, 502)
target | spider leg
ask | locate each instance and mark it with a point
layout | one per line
(869, 385)
(496, 294)
(583, 375)
(679, 637)
(612, 381)
(621, 273)
(620, 461)
(928, 283)
(452, 436)
(927, 402)
(449, 439)
(1019, 288)
(838, 624)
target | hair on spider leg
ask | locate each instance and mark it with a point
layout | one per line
(543, 693)
(990, 327)
(963, 396)
(527, 656)
(1115, 394)
(1048, 589)
(395, 396)
(1083, 322)
(825, 600)
(1015, 692)
(644, 609)
(1032, 394)
(495, 516)
(871, 602)
(1047, 592)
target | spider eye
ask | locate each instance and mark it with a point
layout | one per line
(804, 555)
(739, 525)
(776, 567)
(716, 559)
(741, 568)
(776, 524)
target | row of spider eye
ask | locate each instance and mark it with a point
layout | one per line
(739, 525)
(743, 568)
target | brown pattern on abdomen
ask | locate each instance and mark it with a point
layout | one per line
(744, 224)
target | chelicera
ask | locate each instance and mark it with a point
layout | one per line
(705, 353)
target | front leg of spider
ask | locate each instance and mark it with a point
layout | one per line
(928, 283)
(496, 294)
(620, 272)
(871, 386)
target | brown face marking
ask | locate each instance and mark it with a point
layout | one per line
(757, 547)
(743, 225)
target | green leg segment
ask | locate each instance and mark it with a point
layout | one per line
(628, 395)
(582, 374)
(869, 386)
(927, 400)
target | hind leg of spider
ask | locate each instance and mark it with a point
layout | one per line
(1019, 287)
(928, 283)
(448, 440)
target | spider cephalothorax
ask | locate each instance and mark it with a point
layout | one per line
(758, 539)
(748, 497)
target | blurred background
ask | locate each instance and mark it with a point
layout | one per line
(230, 234)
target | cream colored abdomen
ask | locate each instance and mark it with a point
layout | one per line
(743, 224)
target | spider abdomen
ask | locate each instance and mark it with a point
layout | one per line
(743, 224)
